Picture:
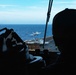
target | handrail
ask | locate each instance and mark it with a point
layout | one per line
(47, 20)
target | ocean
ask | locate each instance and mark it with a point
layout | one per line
(27, 32)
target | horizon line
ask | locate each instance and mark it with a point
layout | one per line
(25, 24)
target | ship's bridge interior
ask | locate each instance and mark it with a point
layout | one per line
(53, 55)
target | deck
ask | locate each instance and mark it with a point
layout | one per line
(33, 45)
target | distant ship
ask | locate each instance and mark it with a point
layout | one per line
(35, 33)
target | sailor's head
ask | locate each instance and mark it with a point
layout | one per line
(64, 30)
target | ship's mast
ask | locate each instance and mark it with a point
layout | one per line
(47, 20)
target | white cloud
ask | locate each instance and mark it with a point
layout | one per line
(64, 4)
(4, 6)
(22, 16)
(30, 14)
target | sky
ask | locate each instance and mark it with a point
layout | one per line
(31, 11)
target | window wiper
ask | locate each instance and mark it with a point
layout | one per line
(47, 20)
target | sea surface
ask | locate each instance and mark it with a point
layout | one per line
(27, 31)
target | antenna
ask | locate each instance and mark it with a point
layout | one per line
(47, 20)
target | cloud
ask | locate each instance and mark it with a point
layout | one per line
(66, 4)
(22, 16)
(34, 13)
(4, 6)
